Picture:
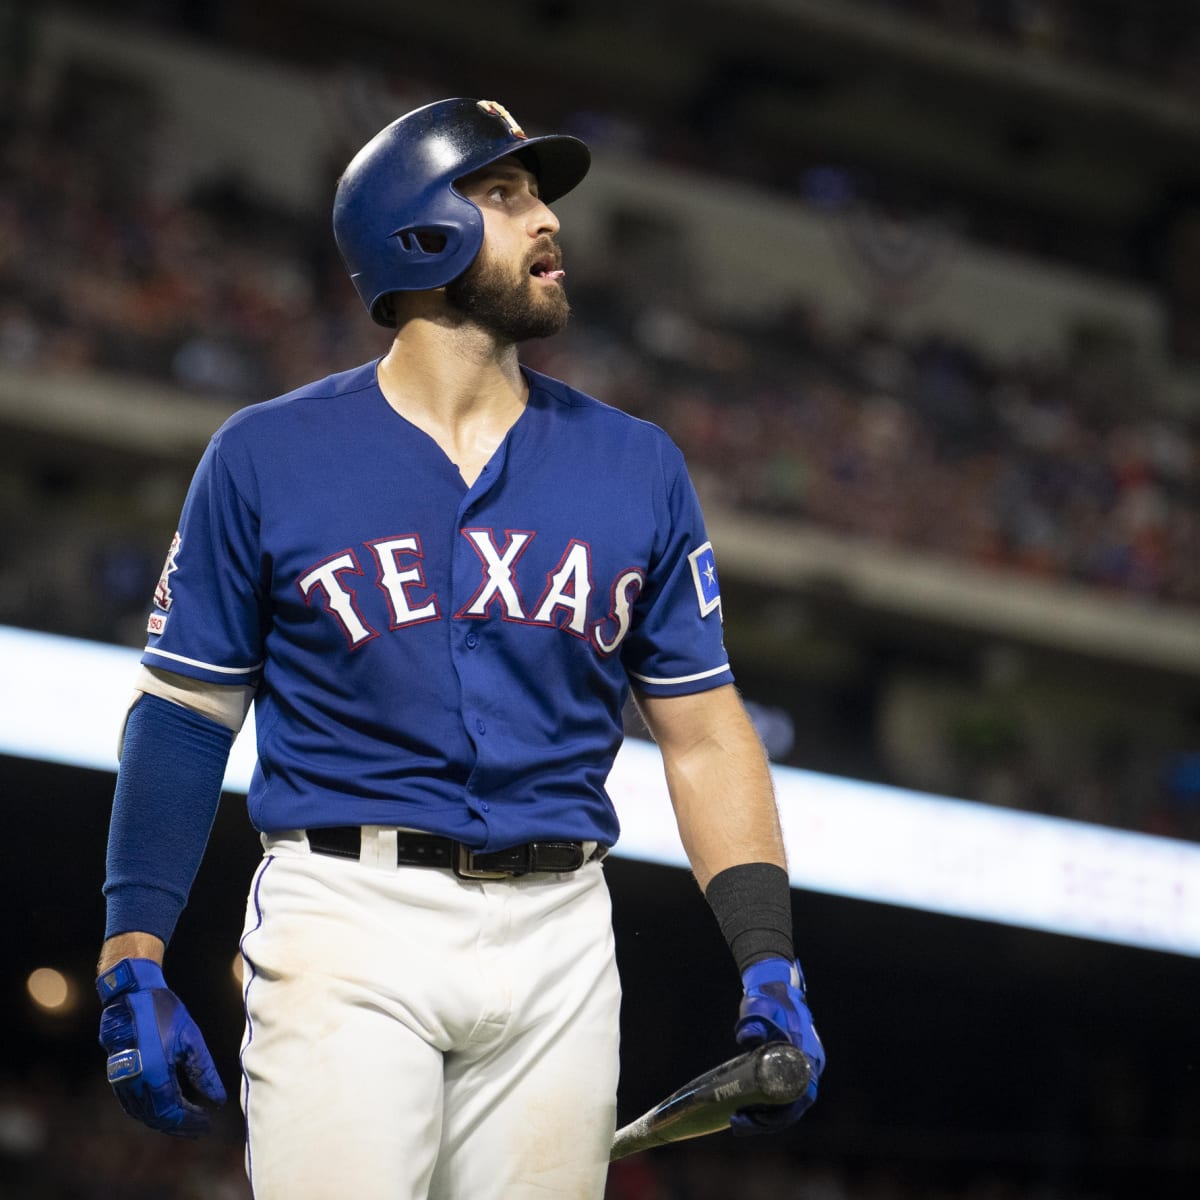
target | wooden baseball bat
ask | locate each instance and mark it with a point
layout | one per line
(776, 1073)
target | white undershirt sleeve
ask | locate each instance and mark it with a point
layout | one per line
(227, 705)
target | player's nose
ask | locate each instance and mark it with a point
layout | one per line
(542, 220)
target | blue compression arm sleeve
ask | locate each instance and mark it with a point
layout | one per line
(168, 788)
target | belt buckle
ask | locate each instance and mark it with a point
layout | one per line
(464, 865)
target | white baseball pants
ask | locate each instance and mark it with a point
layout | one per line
(414, 1036)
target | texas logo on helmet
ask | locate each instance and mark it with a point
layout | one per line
(494, 109)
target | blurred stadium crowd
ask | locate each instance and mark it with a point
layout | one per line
(1058, 469)
(1157, 42)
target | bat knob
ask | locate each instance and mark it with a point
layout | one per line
(782, 1072)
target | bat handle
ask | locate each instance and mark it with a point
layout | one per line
(775, 1073)
(782, 1072)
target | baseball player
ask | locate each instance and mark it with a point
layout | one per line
(437, 576)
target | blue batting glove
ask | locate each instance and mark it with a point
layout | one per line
(773, 1009)
(149, 1037)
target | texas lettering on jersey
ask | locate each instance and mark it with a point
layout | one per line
(564, 601)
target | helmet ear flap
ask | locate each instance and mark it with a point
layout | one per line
(421, 247)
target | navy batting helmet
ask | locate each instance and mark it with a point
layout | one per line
(400, 224)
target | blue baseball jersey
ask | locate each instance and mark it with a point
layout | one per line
(428, 654)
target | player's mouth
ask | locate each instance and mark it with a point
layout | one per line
(546, 267)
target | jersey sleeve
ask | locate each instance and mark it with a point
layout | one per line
(208, 620)
(676, 645)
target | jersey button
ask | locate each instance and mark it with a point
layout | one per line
(472, 641)
(481, 727)
(486, 806)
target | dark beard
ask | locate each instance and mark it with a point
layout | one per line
(511, 312)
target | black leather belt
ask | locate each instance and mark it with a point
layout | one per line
(430, 850)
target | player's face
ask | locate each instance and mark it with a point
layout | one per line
(514, 288)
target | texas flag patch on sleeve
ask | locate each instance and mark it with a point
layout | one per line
(704, 575)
